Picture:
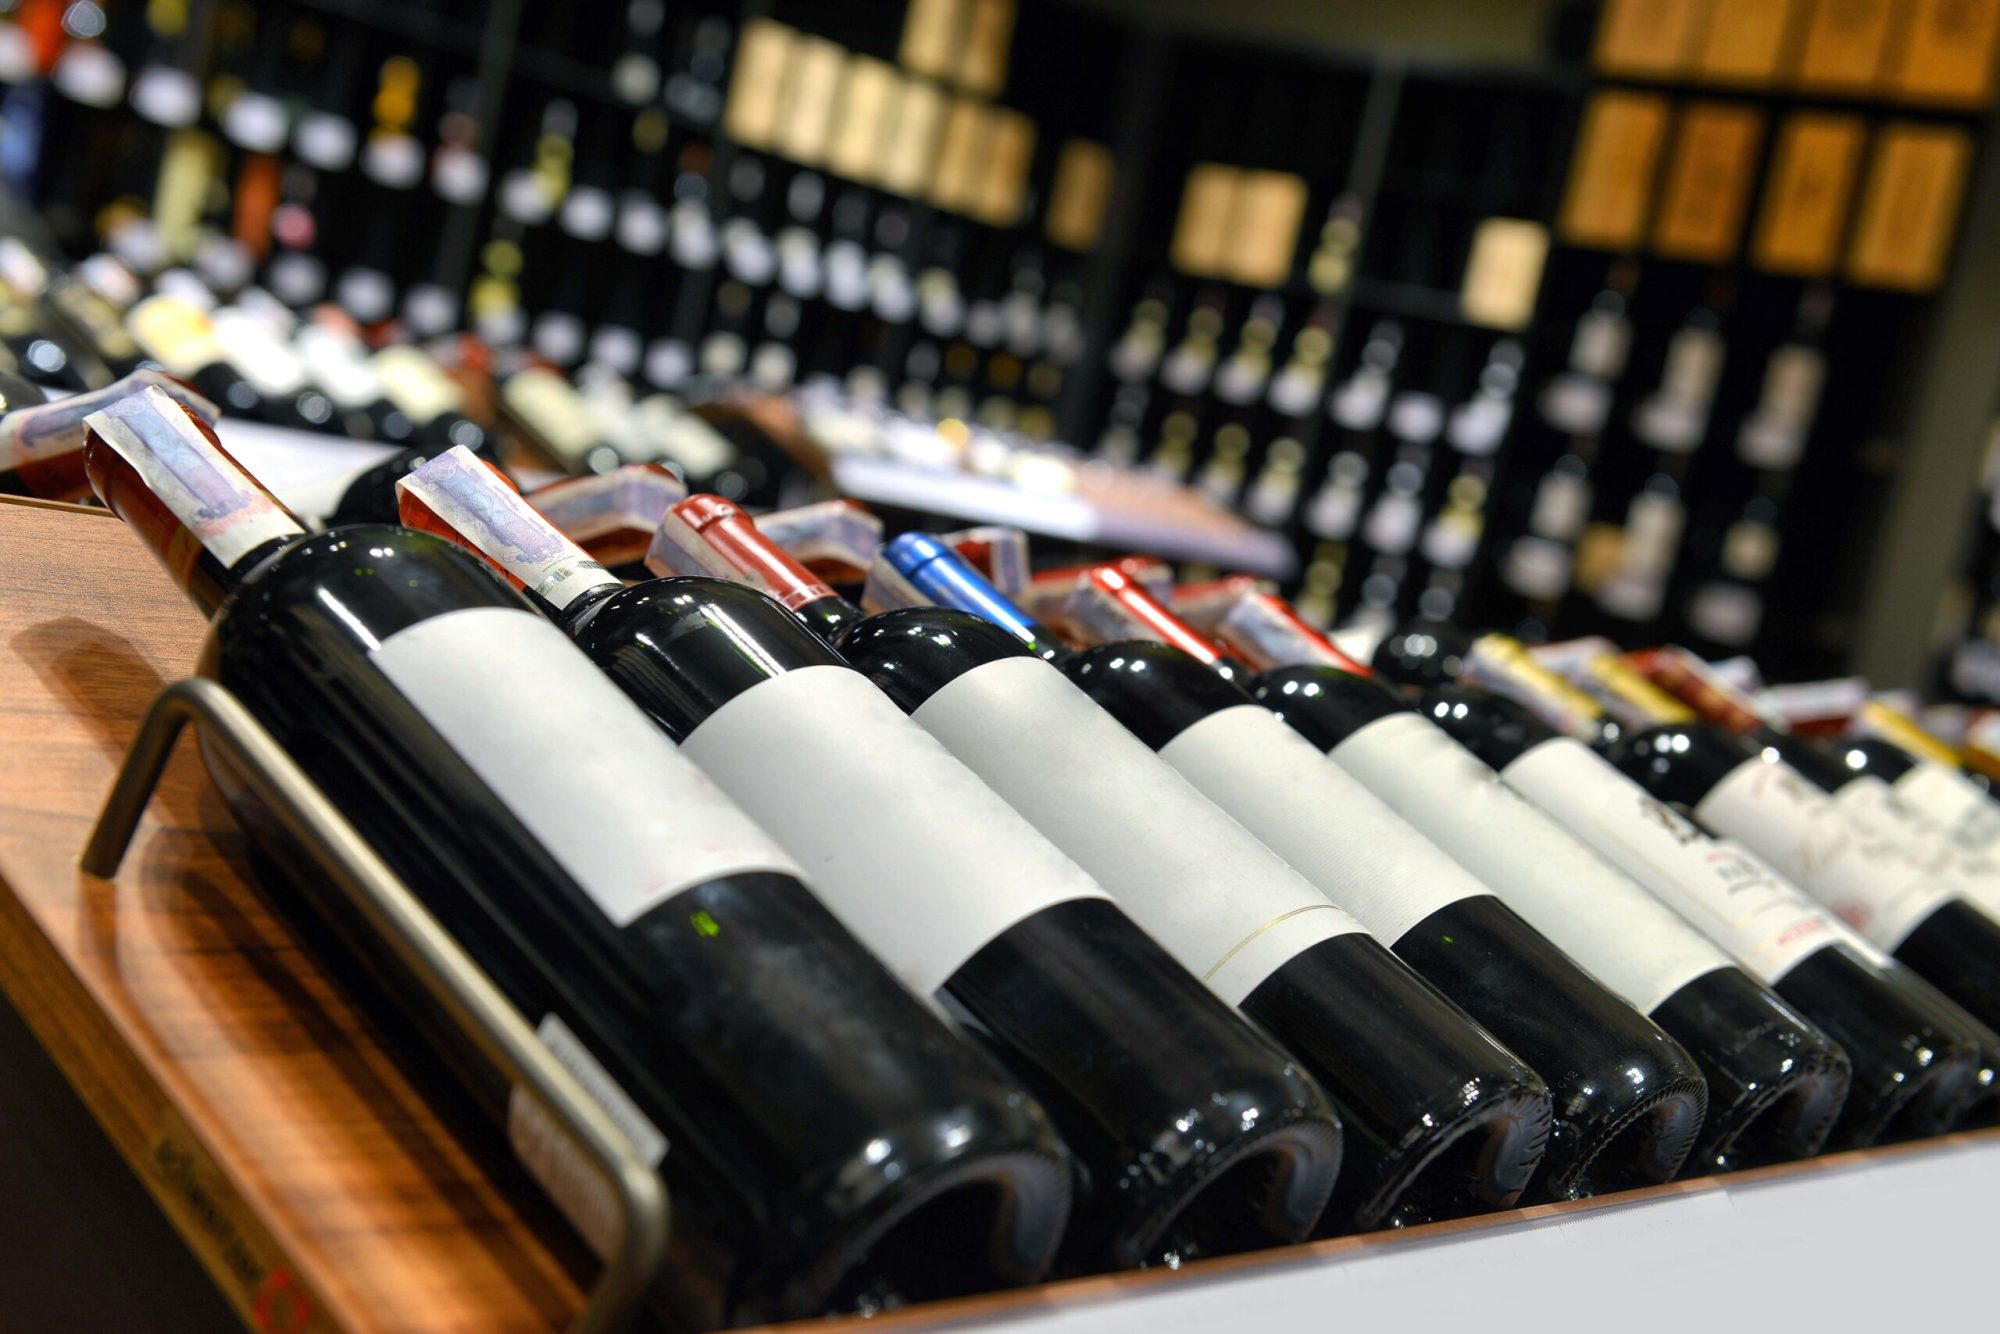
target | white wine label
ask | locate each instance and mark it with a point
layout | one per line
(587, 774)
(1949, 800)
(1221, 903)
(1734, 897)
(414, 383)
(175, 333)
(917, 857)
(227, 513)
(1318, 817)
(269, 366)
(339, 365)
(1631, 941)
(558, 1162)
(1847, 865)
(1869, 802)
(551, 409)
(470, 499)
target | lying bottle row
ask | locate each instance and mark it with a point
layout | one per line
(989, 928)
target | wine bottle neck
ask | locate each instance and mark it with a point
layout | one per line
(1109, 605)
(917, 570)
(467, 501)
(1692, 682)
(707, 535)
(161, 469)
(1505, 666)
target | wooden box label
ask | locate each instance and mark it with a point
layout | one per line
(1708, 182)
(1909, 207)
(762, 53)
(1080, 195)
(867, 91)
(1611, 176)
(933, 32)
(1201, 233)
(1947, 55)
(1808, 194)
(1010, 150)
(1647, 37)
(1504, 274)
(806, 109)
(233, 1244)
(1264, 233)
(913, 138)
(989, 33)
(1745, 41)
(1844, 44)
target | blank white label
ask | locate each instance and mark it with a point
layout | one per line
(1847, 865)
(1595, 913)
(587, 774)
(1732, 896)
(1221, 903)
(916, 856)
(1316, 816)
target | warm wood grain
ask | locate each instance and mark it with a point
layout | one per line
(257, 1106)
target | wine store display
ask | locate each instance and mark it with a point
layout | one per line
(1033, 643)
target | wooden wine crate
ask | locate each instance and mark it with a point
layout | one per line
(264, 1112)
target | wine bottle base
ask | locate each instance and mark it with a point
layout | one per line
(962, 1237)
(1270, 1191)
(1645, 1146)
(1781, 1123)
(1485, 1163)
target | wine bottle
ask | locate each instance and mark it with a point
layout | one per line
(41, 443)
(1193, 1132)
(1920, 900)
(1440, 1119)
(833, 1144)
(1909, 1045)
(1776, 1081)
(1628, 1100)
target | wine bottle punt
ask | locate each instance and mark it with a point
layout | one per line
(1191, 1131)
(1629, 1100)
(830, 1144)
(1915, 1056)
(1440, 1119)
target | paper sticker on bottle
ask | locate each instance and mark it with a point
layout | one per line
(1847, 866)
(227, 513)
(917, 857)
(1736, 899)
(1193, 878)
(1630, 940)
(1316, 816)
(474, 505)
(571, 1177)
(43, 444)
(588, 775)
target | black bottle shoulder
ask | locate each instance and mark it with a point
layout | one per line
(1325, 704)
(684, 647)
(914, 652)
(364, 582)
(1872, 755)
(1497, 730)
(1679, 762)
(1155, 690)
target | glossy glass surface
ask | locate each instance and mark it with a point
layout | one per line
(1915, 1059)
(1957, 950)
(1441, 1121)
(1193, 1134)
(814, 1108)
(1629, 1099)
(1776, 1082)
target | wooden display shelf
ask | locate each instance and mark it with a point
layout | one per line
(262, 1110)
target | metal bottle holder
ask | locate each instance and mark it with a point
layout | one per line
(490, 1024)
